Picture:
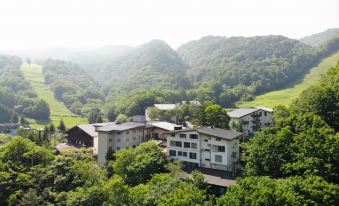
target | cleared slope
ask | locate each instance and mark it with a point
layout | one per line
(285, 96)
(33, 74)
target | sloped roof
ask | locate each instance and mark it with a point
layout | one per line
(265, 108)
(237, 113)
(216, 132)
(164, 125)
(120, 126)
(165, 106)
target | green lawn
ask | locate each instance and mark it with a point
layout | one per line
(285, 96)
(33, 74)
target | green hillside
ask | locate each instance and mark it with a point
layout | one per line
(33, 74)
(285, 96)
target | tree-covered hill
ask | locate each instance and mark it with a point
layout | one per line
(151, 65)
(72, 85)
(16, 95)
(262, 62)
(320, 38)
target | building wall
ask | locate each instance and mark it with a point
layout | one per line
(95, 145)
(78, 136)
(208, 147)
(265, 120)
(114, 141)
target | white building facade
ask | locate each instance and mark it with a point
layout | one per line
(117, 136)
(205, 147)
(252, 119)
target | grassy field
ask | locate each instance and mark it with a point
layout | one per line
(33, 74)
(285, 96)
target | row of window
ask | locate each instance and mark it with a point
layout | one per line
(191, 136)
(127, 139)
(217, 158)
(174, 153)
(191, 145)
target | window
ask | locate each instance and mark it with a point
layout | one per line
(182, 135)
(193, 155)
(118, 140)
(172, 153)
(193, 136)
(133, 146)
(109, 148)
(173, 135)
(207, 150)
(216, 148)
(178, 144)
(206, 140)
(118, 148)
(265, 114)
(110, 139)
(187, 145)
(207, 159)
(179, 153)
(119, 132)
(134, 138)
(194, 145)
(218, 158)
(184, 154)
(217, 139)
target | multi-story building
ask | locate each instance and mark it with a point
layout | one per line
(117, 136)
(252, 119)
(206, 147)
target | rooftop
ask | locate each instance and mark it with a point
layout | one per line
(216, 132)
(120, 126)
(164, 125)
(90, 128)
(242, 112)
(215, 177)
(165, 106)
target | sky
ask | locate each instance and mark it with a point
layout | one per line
(32, 24)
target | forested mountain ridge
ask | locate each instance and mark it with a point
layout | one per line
(320, 38)
(151, 65)
(16, 95)
(72, 85)
(265, 62)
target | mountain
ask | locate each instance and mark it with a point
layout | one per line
(262, 62)
(320, 38)
(72, 85)
(151, 65)
(16, 95)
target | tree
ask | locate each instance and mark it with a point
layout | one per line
(30, 198)
(137, 165)
(216, 116)
(122, 118)
(62, 126)
(117, 192)
(52, 128)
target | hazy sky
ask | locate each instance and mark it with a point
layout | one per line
(29, 24)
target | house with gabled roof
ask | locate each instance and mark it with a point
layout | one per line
(250, 120)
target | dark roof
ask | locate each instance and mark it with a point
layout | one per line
(89, 128)
(120, 126)
(217, 132)
(214, 177)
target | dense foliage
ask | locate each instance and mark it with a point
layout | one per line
(72, 85)
(322, 98)
(16, 95)
(320, 38)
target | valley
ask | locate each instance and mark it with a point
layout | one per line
(33, 74)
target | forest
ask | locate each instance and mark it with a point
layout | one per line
(16, 96)
(304, 169)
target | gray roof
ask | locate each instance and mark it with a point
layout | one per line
(216, 132)
(237, 113)
(164, 125)
(89, 129)
(120, 126)
(165, 106)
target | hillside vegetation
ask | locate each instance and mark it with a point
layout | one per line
(320, 38)
(16, 95)
(33, 74)
(285, 96)
(72, 85)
